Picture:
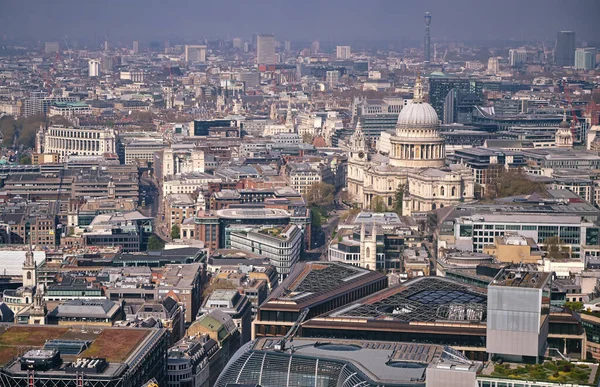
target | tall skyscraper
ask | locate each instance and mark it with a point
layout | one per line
(564, 51)
(315, 47)
(136, 47)
(517, 56)
(195, 54)
(343, 52)
(265, 49)
(585, 58)
(287, 46)
(427, 46)
(94, 68)
(106, 46)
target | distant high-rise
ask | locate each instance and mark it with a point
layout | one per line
(427, 46)
(136, 47)
(94, 68)
(585, 58)
(265, 49)
(564, 52)
(237, 43)
(287, 45)
(343, 52)
(106, 46)
(517, 56)
(51, 47)
(194, 54)
(315, 47)
(493, 65)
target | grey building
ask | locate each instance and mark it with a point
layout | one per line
(564, 51)
(518, 315)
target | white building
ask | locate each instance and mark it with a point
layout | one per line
(81, 141)
(585, 58)
(343, 52)
(93, 68)
(281, 247)
(265, 49)
(195, 53)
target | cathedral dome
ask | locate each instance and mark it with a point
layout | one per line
(418, 114)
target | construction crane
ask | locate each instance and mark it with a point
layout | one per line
(280, 346)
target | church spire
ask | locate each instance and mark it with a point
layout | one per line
(289, 121)
(418, 93)
(357, 141)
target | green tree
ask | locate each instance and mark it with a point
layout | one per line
(320, 194)
(155, 243)
(315, 218)
(398, 200)
(378, 204)
(175, 231)
(575, 306)
(555, 248)
(307, 138)
(503, 183)
(25, 160)
(8, 127)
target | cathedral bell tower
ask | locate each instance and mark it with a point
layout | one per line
(29, 269)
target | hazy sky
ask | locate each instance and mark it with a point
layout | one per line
(328, 20)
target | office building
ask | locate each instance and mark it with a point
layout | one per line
(343, 52)
(66, 141)
(281, 245)
(427, 45)
(439, 87)
(265, 49)
(192, 360)
(287, 46)
(564, 51)
(585, 58)
(51, 47)
(517, 57)
(349, 363)
(319, 286)
(136, 47)
(434, 310)
(518, 315)
(93, 68)
(195, 53)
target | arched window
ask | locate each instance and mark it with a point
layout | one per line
(389, 200)
(367, 253)
(28, 275)
(453, 191)
(442, 191)
(433, 206)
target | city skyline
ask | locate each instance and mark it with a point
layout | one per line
(354, 21)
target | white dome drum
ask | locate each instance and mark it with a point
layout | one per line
(417, 143)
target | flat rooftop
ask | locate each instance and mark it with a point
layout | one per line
(313, 282)
(252, 213)
(521, 279)
(118, 346)
(424, 299)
